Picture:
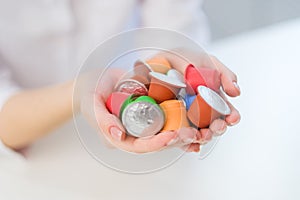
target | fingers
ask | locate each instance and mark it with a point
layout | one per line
(149, 144)
(234, 117)
(194, 147)
(155, 143)
(228, 78)
(206, 135)
(180, 137)
(218, 127)
(184, 136)
(187, 135)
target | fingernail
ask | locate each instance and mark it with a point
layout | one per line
(197, 149)
(234, 123)
(188, 140)
(236, 86)
(173, 141)
(220, 132)
(203, 142)
(116, 133)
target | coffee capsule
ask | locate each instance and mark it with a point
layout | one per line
(141, 116)
(206, 107)
(142, 70)
(188, 99)
(142, 79)
(175, 74)
(164, 87)
(175, 114)
(115, 102)
(181, 94)
(159, 64)
(131, 86)
(195, 77)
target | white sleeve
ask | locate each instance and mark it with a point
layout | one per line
(185, 16)
(7, 89)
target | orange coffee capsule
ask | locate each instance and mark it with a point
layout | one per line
(175, 115)
(164, 87)
(159, 64)
(206, 107)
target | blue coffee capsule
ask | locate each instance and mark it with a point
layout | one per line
(189, 100)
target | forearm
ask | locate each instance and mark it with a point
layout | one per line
(29, 115)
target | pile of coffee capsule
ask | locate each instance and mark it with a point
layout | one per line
(156, 98)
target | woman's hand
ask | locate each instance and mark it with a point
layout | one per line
(187, 138)
(228, 83)
(114, 131)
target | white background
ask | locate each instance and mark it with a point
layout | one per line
(235, 16)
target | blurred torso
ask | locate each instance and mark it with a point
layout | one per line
(44, 42)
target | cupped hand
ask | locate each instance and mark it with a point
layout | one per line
(189, 139)
(113, 130)
(228, 83)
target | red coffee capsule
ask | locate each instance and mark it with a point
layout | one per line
(115, 102)
(195, 77)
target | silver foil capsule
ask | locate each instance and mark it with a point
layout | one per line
(142, 119)
(181, 96)
(131, 86)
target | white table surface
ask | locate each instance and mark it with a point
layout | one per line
(257, 159)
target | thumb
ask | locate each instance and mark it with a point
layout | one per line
(108, 123)
(228, 79)
(112, 127)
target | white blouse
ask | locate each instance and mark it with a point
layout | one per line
(44, 41)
